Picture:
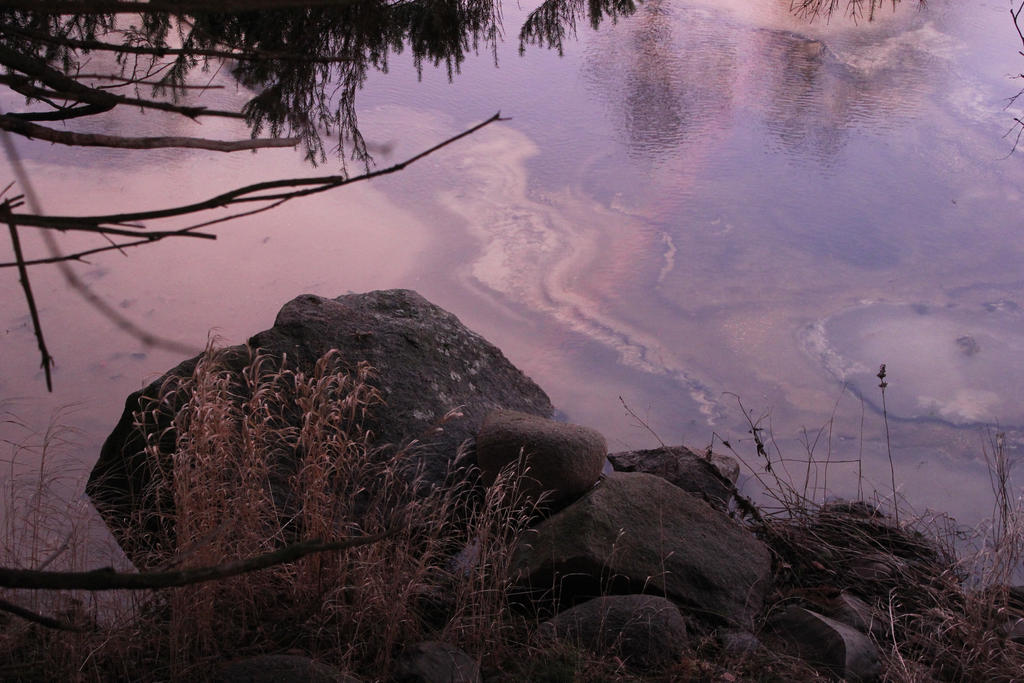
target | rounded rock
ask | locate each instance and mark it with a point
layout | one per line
(562, 459)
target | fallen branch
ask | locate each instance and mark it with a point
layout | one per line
(34, 617)
(107, 579)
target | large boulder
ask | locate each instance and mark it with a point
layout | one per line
(644, 631)
(712, 478)
(564, 460)
(637, 533)
(426, 364)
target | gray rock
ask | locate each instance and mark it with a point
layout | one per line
(877, 567)
(738, 643)
(427, 363)
(435, 662)
(712, 479)
(826, 643)
(851, 610)
(637, 533)
(645, 631)
(563, 459)
(1015, 630)
(277, 668)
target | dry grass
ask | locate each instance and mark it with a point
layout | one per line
(271, 457)
(941, 593)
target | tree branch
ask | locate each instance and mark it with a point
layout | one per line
(107, 579)
(34, 131)
(29, 615)
(47, 359)
(98, 45)
(63, 85)
(98, 225)
(241, 194)
(168, 6)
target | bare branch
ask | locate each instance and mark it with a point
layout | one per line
(107, 579)
(242, 194)
(26, 287)
(28, 615)
(160, 51)
(63, 85)
(1016, 20)
(99, 224)
(168, 6)
(124, 82)
(34, 131)
(147, 238)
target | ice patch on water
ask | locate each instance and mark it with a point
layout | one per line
(669, 256)
(954, 364)
(894, 51)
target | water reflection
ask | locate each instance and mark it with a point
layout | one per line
(672, 204)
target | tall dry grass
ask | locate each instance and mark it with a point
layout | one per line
(271, 456)
(43, 527)
(942, 593)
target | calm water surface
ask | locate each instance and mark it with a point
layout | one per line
(701, 204)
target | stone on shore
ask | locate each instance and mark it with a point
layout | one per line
(712, 478)
(435, 662)
(839, 648)
(564, 460)
(644, 631)
(637, 533)
(276, 668)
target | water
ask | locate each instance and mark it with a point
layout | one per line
(700, 206)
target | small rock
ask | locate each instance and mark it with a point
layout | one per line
(738, 643)
(822, 642)
(645, 631)
(877, 567)
(276, 668)
(565, 459)
(711, 479)
(851, 610)
(435, 662)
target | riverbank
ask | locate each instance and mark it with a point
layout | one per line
(368, 491)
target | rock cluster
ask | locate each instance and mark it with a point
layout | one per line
(626, 563)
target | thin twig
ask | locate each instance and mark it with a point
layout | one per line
(642, 422)
(241, 194)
